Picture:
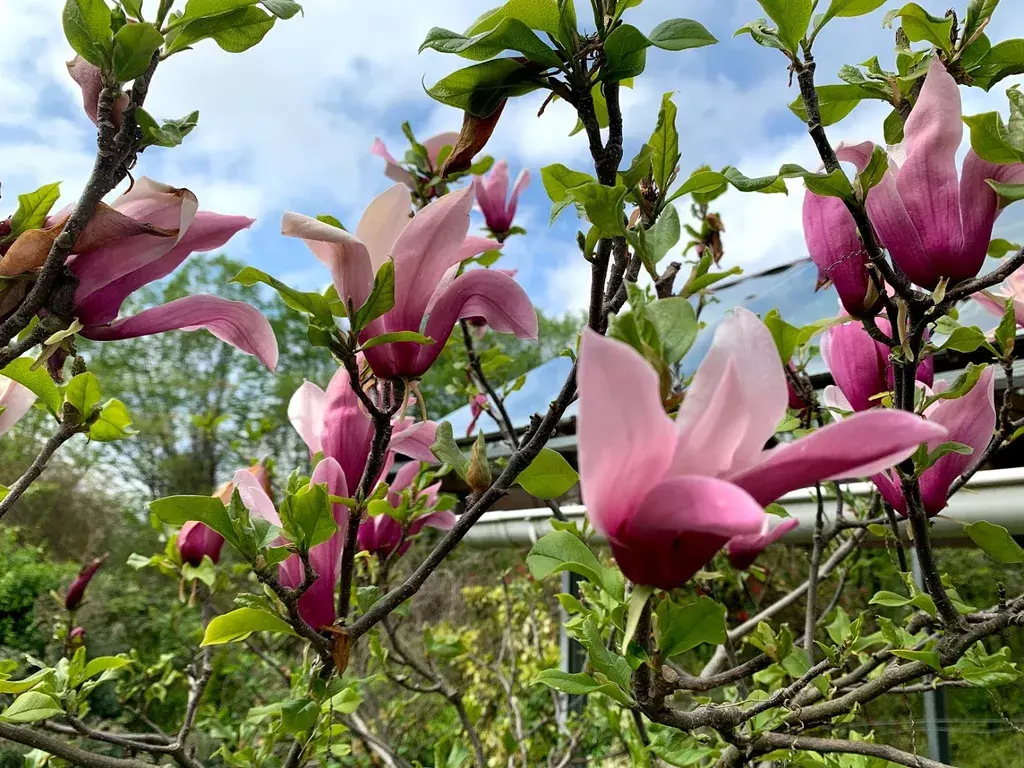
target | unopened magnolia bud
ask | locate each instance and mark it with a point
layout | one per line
(479, 473)
(76, 592)
(76, 638)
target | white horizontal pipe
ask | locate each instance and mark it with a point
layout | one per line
(995, 495)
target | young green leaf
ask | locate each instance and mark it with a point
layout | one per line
(87, 29)
(447, 450)
(396, 337)
(791, 17)
(562, 551)
(665, 143)
(541, 15)
(134, 46)
(37, 381)
(235, 31)
(31, 707)
(680, 34)
(83, 392)
(509, 35)
(683, 627)
(625, 52)
(481, 88)
(237, 625)
(548, 476)
(995, 541)
(113, 423)
(33, 208)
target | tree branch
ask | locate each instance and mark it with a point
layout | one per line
(772, 741)
(58, 748)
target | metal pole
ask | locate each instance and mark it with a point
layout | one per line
(573, 654)
(935, 713)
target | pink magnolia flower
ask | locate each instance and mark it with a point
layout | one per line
(669, 494)
(90, 80)
(836, 249)
(742, 551)
(15, 402)
(430, 295)
(970, 420)
(335, 423)
(76, 637)
(382, 535)
(860, 366)
(317, 605)
(147, 233)
(491, 194)
(934, 223)
(196, 540)
(995, 301)
(76, 592)
(433, 145)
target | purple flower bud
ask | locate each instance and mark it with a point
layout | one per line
(76, 638)
(76, 592)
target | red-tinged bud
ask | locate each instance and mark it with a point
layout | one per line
(76, 592)
(76, 638)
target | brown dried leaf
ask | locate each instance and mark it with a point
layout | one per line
(476, 132)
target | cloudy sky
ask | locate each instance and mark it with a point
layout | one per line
(288, 125)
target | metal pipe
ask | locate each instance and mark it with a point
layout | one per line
(995, 495)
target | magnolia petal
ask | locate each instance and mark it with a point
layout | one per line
(858, 154)
(861, 445)
(28, 253)
(762, 392)
(207, 232)
(522, 182)
(443, 521)
(708, 444)
(834, 244)
(254, 497)
(341, 252)
(317, 605)
(348, 429)
(403, 479)
(306, 413)
(856, 364)
(625, 438)
(197, 540)
(970, 420)
(392, 170)
(889, 488)
(16, 401)
(679, 527)
(927, 181)
(90, 81)
(744, 550)
(980, 206)
(428, 246)
(383, 221)
(435, 144)
(234, 322)
(897, 232)
(414, 440)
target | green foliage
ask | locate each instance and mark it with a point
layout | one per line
(548, 476)
(27, 574)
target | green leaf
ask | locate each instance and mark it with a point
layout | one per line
(680, 34)
(509, 35)
(234, 32)
(133, 8)
(37, 381)
(639, 168)
(835, 102)
(834, 184)
(102, 664)
(310, 303)
(965, 338)
(625, 51)
(33, 208)
(307, 516)
(683, 627)
(481, 88)
(562, 551)
(16, 687)
(87, 29)
(839, 628)
(995, 541)
(170, 134)
(1002, 60)
(31, 707)
(381, 299)
(581, 683)
(447, 450)
(1010, 193)
(559, 181)
(541, 15)
(205, 572)
(873, 172)
(178, 510)
(83, 392)
(602, 660)
(299, 715)
(664, 235)
(396, 337)
(638, 598)
(850, 8)
(134, 46)
(763, 35)
(1006, 332)
(677, 326)
(237, 625)
(283, 9)
(978, 14)
(113, 423)
(920, 25)
(791, 17)
(548, 476)
(931, 658)
(892, 128)
(991, 139)
(604, 206)
(889, 599)
(665, 143)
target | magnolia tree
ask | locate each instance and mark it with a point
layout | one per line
(674, 470)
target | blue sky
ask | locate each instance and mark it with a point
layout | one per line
(288, 125)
